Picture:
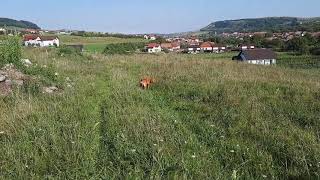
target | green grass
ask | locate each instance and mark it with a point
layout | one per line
(205, 118)
(97, 44)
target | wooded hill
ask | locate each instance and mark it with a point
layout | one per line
(270, 24)
(19, 24)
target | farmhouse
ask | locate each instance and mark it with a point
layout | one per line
(245, 47)
(207, 46)
(153, 48)
(257, 56)
(193, 49)
(212, 47)
(174, 46)
(41, 41)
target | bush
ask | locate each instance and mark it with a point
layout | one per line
(10, 52)
(68, 50)
(315, 51)
(123, 48)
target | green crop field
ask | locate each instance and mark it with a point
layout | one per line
(206, 117)
(97, 44)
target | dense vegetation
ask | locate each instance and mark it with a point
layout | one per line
(19, 24)
(270, 24)
(10, 51)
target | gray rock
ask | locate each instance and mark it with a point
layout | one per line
(50, 90)
(2, 78)
(26, 62)
(18, 82)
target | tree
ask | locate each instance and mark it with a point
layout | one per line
(298, 45)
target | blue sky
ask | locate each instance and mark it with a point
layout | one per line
(146, 16)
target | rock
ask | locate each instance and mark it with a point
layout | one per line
(26, 62)
(18, 82)
(5, 89)
(50, 90)
(2, 78)
(8, 82)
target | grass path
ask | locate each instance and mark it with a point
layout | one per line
(203, 119)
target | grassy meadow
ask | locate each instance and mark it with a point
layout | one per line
(97, 44)
(206, 117)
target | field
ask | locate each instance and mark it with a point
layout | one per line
(206, 117)
(97, 44)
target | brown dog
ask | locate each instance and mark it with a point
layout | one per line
(145, 83)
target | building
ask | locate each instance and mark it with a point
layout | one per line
(150, 37)
(257, 56)
(154, 48)
(176, 46)
(41, 41)
(193, 49)
(167, 46)
(207, 46)
(245, 47)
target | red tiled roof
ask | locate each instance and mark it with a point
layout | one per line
(153, 45)
(42, 38)
(207, 44)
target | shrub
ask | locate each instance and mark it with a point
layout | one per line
(68, 50)
(10, 52)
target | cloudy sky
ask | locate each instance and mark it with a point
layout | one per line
(145, 16)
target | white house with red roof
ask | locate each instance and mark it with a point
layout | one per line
(154, 48)
(41, 41)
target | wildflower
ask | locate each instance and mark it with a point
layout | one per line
(185, 142)
(232, 151)
(72, 142)
(56, 74)
(1, 132)
(264, 176)
(161, 140)
(212, 125)
(222, 136)
(155, 144)
(193, 156)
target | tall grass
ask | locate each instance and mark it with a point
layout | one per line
(205, 118)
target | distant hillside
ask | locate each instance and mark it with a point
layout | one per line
(18, 24)
(273, 24)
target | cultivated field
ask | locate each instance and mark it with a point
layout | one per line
(97, 44)
(206, 117)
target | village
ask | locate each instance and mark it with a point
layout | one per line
(249, 53)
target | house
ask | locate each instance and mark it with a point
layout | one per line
(153, 48)
(31, 31)
(176, 46)
(173, 46)
(245, 47)
(167, 46)
(207, 46)
(222, 48)
(257, 56)
(41, 41)
(2, 31)
(153, 38)
(193, 49)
